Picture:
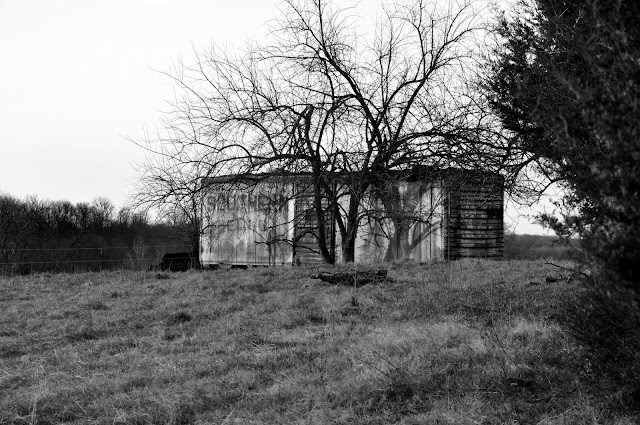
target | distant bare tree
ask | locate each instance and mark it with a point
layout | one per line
(172, 189)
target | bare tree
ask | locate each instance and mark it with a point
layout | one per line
(326, 98)
(172, 189)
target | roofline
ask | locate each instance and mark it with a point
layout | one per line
(415, 174)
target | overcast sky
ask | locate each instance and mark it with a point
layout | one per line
(77, 77)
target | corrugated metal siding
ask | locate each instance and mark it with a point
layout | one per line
(247, 226)
(474, 225)
(274, 222)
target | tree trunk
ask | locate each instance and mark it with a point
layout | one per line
(351, 233)
(322, 227)
(400, 209)
(398, 248)
(349, 249)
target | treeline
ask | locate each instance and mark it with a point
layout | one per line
(532, 247)
(39, 235)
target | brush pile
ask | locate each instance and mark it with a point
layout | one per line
(355, 278)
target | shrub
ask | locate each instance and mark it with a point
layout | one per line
(604, 319)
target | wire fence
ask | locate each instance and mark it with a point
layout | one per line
(85, 259)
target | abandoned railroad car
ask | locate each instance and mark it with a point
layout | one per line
(270, 220)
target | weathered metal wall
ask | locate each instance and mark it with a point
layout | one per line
(474, 216)
(420, 239)
(273, 222)
(248, 224)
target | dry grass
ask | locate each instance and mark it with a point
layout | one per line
(471, 342)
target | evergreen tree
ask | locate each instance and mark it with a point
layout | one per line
(565, 82)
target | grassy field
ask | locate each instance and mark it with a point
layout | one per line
(470, 342)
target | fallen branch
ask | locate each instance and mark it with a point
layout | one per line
(357, 278)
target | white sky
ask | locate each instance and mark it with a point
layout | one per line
(77, 77)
